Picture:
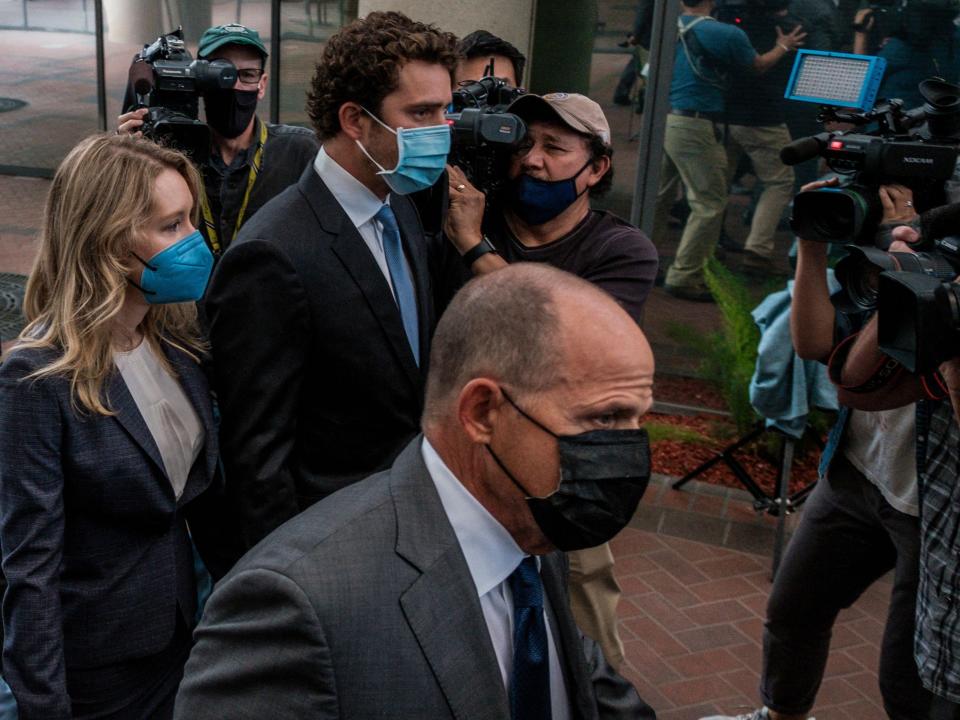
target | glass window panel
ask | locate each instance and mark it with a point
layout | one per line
(48, 92)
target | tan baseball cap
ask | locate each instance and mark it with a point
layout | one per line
(576, 111)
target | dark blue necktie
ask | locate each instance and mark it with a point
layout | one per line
(402, 285)
(530, 684)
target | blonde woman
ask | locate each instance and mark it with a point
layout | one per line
(107, 441)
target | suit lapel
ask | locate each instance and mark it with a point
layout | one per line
(191, 378)
(442, 607)
(128, 415)
(567, 638)
(349, 247)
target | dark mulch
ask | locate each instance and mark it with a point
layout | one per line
(687, 391)
(759, 459)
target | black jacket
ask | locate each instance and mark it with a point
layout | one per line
(95, 546)
(316, 381)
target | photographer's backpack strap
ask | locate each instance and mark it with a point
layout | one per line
(208, 223)
(697, 56)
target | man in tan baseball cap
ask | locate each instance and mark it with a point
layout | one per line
(544, 215)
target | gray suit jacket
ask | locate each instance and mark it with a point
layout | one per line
(363, 607)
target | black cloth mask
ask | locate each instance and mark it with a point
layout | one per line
(230, 111)
(603, 475)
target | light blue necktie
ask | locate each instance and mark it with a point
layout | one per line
(402, 285)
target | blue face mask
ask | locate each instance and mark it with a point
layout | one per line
(421, 157)
(539, 201)
(177, 274)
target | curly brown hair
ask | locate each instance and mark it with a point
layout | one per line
(361, 63)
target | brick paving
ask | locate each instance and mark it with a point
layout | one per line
(692, 611)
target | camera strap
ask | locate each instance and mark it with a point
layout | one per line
(699, 59)
(208, 222)
(883, 373)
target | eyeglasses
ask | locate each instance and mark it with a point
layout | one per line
(250, 76)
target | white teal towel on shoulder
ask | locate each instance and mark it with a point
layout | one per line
(784, 387)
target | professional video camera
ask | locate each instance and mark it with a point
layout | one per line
(484, 133)
(737, 12)
(917, 305)
(915, 21)
(917, 148)
(166, 79)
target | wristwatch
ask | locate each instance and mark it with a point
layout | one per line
(477, 251)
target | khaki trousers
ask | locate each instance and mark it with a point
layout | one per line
(695, 156)
(762, 145)
(594, 594)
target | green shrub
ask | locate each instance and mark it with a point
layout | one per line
(730, 357)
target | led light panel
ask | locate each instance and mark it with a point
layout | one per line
(839, 79)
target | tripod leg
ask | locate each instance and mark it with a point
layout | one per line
(783, 483)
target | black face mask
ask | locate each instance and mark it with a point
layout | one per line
(603, 475)
(230, 111)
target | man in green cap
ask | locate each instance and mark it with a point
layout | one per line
(250, 161)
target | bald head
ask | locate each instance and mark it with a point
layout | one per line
(531, 327)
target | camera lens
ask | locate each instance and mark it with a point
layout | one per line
(837, 215)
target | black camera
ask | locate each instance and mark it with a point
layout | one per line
(166, 79)
(859, 272)
(484, 133)
(919, 320)
(917, 148)
(915, 21)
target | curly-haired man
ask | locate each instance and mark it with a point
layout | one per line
(321, 313)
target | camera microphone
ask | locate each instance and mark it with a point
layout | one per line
(940, 222)
(140, 77)
(803, 149)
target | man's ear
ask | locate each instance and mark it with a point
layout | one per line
(352, 117)
(598, 168)
(262, 86)
(478, 406)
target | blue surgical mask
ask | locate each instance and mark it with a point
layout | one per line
(177, 274)
(421, 157)
(538, 201)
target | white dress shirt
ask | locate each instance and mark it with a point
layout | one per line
(360, 205)
(492, 555)
(165, 408)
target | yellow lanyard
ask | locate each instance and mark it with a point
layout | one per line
(251, 179)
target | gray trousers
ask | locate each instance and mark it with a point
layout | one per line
(848, 537)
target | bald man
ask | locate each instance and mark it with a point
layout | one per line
(433, 589)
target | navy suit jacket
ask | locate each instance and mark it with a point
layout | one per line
(95, 547)
(312, 368)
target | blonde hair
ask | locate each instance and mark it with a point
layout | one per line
(102, 194)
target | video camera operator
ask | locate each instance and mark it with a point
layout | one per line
(544, 215)
(481, 48)
(707, 52)
(937, 638)
(756, 126)
(917, 38)
(860, 522)
(250, 161)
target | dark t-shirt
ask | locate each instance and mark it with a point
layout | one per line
(609, 252)
(757, 98)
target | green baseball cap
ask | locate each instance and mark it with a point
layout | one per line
(230, 34)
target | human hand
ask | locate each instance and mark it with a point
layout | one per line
(131, 122)
(903, 237)
(897, 201)
(792, 40)
(465, 214)
(817, 184)
(811, 248)
(863, 20)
